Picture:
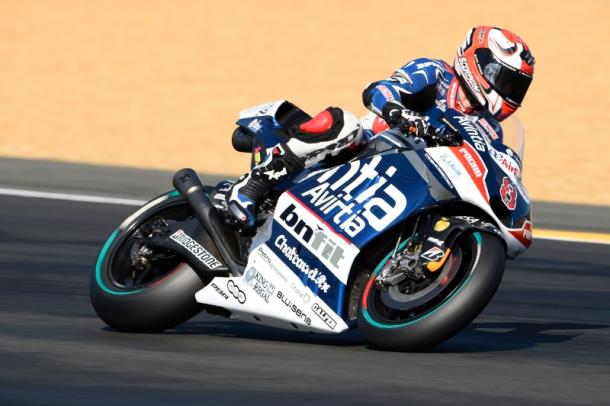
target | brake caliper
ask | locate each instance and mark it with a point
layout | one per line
(429, 249)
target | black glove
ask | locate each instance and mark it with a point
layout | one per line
(392, 113)
(396, 115)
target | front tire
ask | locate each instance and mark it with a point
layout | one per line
(473, 284)
(162, 300)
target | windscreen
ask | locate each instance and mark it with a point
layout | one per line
(513, 135)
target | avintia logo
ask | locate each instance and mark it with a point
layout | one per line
(358, 196)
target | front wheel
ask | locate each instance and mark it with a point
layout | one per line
(415, 318)
(156, 297)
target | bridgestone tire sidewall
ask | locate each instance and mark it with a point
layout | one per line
(454, 315)
(159, 306)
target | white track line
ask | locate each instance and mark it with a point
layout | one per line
(70, 196)
(554, 235)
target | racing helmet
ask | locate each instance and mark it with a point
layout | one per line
(495, 68)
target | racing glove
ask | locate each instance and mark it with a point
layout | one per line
(396, 115)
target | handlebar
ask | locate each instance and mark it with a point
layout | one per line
(447, 136)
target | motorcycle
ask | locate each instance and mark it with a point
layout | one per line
(406, 239)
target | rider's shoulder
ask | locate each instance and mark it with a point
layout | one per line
(423, 71)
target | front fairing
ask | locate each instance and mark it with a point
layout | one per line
(488, 174)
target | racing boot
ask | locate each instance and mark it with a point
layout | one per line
(244, 195)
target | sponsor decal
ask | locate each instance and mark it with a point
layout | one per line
(196, 249)
(220, 291)
(236, 292)
(434, 254)
(320, 242)
(433, 63)
(474, 165)
(438, 168)
(508, 194)
(387, 94)
(506, 162)
(451, 163)
(300, 293)
(435, 241)
(468, 219)
(313, 236)
(265, 257)
(293, 257)
(275, 175)
(255, 125)
(511, 167)
(322, 314)
(523, 234)
(441, 225)
(465, 70)
(352, 207)
(293, 307)
(259, 284)
(468, 126)
(488, 128)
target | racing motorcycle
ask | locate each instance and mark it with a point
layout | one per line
(406, 239)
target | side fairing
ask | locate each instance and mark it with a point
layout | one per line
(322, 223)
(300, 262)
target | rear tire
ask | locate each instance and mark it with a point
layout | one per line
(158, 304)
(475, 284)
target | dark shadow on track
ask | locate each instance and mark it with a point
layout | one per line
(490, 337)
(241, 330)
(478, 337)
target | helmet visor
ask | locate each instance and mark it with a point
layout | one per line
(510, 83)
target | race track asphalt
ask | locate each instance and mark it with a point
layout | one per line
(544, 339)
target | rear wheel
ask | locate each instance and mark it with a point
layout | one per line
(420, 314)
(154, 294)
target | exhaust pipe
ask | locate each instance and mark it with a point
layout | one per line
(187, 182)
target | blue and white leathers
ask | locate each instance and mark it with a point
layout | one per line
(420, 85)
(416, 85)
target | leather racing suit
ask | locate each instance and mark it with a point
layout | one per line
(407, 94)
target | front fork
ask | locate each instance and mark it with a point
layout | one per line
(429, 245)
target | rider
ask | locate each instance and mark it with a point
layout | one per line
(490, 76)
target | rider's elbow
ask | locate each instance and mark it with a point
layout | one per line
(367, 95)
